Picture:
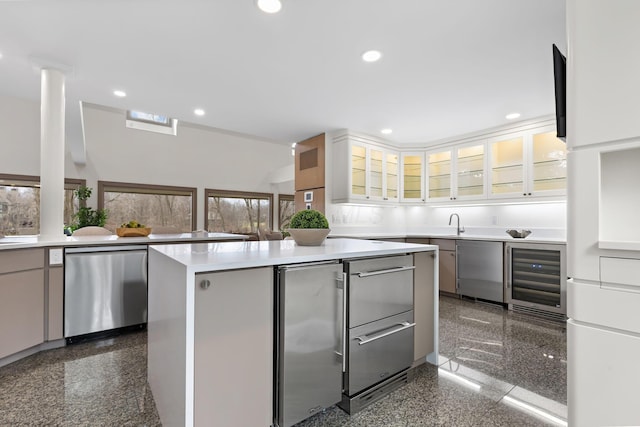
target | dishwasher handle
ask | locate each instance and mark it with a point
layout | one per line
(389, 270)
(114, 248)
(365, 339)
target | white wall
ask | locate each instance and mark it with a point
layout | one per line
(19, 136)
(197, 157)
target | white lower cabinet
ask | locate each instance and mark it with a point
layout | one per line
(233, 348)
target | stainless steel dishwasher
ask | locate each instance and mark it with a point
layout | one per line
(105, 288)
(479, 269)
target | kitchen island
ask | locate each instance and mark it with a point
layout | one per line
(211, 322)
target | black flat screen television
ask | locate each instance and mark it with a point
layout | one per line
(560, 81)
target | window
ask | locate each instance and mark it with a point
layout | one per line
(238, 212)
(151, 122)
(286, 209)
(163, 208)
(20, 203)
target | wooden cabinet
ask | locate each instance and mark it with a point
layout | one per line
(310, 163)
(412, 172)
(457, 173)
(525, 164)
(21, 300)
(364, 171)
(447, 264)
(234, 346)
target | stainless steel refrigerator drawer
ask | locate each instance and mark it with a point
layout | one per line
(379, 288)
(378, 350)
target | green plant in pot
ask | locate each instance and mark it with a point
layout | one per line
(309, 227)
(87, 216)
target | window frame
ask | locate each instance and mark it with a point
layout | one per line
(210, 192)
(170, 190)
(34, 181)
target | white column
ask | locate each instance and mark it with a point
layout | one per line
(52, 154)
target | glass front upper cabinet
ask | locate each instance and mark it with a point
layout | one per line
(413, 177)
(533, 163)
(549, 172)
(456, 173)
(358, 170)
(470, 172)
(392, 177)
(507, 166)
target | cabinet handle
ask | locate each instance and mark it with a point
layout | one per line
(205, 284)
(345, 309)
(529, 194)
(390, 270)
(452, 254)
(365, 339)
(524, 194)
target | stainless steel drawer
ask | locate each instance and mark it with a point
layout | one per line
(378, 350)
(379, 288)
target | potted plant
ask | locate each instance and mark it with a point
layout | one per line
(87, 216)
(309, 228)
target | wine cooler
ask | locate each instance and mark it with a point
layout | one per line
(536, 279)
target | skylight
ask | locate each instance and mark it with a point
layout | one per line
(151, 122)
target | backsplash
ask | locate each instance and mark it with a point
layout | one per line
(548, 219)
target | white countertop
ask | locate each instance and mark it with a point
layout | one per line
(202, 257)
(21, 242)
(532, 238)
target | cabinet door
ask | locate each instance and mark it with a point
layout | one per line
(22, 313)
(412, 177)
(447, 269)
(233, 342)
(507, 167)
(439, 175)
(392, 170)
(548, 174)
(358, 171)
(470, 178)
(376, 176)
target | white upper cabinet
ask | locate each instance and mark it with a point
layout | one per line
(369, 174)
(457, 173)
(412, 171)
(527, 164)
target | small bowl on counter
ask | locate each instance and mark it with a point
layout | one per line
(518, 234)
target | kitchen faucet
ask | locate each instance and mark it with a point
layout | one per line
(458, 229)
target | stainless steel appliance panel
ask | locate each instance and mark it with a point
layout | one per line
(379, 288)
(479, 269)
(105, 288)
(310, 340)
(379, 350)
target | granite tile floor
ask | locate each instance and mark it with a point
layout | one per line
(496, 368)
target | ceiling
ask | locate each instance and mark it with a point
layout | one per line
(448, 67)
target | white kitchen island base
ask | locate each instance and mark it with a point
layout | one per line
(210, 328)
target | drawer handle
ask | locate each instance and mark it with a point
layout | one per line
(364, 339)
(390, 270)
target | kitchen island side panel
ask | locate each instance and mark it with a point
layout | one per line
(168, 340)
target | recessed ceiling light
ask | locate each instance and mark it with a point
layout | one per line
(198, 112)
(120, 93)
(512, 116)
(270, 6)
(0, 55)
(386, 131)
(371, 56)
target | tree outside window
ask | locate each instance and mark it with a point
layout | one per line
(286, 209)
(20, 204)
(165, 209)
(238, 212)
